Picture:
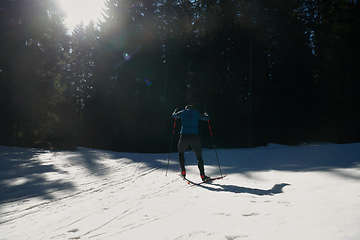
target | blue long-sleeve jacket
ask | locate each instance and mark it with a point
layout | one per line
(190, 120)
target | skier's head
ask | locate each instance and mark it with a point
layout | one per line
(188, 107)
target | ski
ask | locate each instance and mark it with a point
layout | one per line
(207, 181)
(185, 179)
(212, 179)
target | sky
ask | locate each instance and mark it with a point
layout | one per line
(81, 10)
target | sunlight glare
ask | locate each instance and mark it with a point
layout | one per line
(81, 10)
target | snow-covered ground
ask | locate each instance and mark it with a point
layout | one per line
(273, 192)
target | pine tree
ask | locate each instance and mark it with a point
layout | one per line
(33, 44)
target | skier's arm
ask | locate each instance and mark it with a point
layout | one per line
(176, 114)
(204, 117)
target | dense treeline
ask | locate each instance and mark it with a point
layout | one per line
(280, 71)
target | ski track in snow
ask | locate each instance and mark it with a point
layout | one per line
(274, 192)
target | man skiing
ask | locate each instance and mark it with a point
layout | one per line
(189, 136)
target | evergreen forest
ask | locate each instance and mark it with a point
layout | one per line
(280, 71)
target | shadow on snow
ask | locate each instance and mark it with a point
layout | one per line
(322, 157)
(276, 189)
(21, 175)
(21, 171)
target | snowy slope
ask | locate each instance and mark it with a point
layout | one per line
(273, 192)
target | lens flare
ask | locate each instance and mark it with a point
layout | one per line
(126, 56)
(148, 83)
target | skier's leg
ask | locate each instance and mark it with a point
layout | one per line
(201, 166)
(183, 144)
(196, 146)
(182, 162)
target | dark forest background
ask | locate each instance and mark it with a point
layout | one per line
(281, 71)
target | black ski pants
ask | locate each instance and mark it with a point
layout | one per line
(192, 140)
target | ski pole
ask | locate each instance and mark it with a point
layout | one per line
(172, 139)
(214, 147)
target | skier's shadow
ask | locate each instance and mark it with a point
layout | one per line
(276, 189)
